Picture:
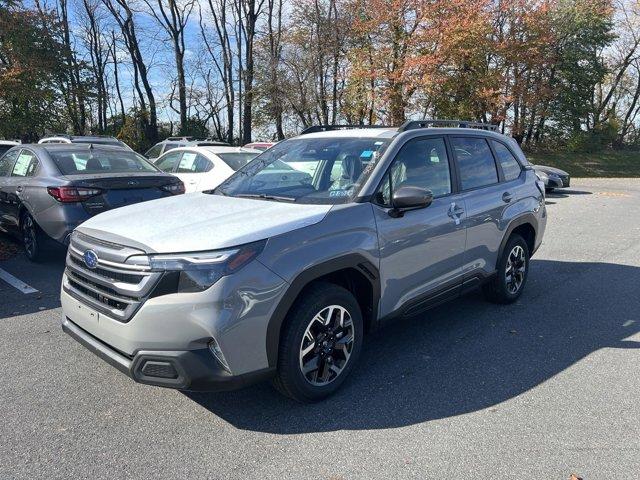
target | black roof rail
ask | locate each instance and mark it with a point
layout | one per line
(328, 128)
(413, 124)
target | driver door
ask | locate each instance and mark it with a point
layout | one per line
(422, 251)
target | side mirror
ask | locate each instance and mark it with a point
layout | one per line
(410, 198)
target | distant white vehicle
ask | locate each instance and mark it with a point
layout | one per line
(204, 168)
(170, 143)
(6, 145)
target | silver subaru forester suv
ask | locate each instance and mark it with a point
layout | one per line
(282, 270)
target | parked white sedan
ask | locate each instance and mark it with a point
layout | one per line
(204, 168)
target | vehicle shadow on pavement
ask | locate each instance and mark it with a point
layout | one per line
(461, 357)
(565, 193)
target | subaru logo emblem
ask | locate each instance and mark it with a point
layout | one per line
(90, 259)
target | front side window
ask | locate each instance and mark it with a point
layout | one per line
(25, 165)
(6, 163)
(423, 163)
(302, 170)
(90, 161)
(168, 162)
(475, 161)
(510, 166)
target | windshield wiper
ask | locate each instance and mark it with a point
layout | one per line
(264, 196)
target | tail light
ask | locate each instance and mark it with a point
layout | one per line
(72, 194)
(174, 188)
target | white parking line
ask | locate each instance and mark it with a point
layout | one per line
(16, 283)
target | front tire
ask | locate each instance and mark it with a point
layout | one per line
(320, 343)
(32, 238)
(513, 269)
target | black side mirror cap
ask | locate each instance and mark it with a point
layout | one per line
(410, 198)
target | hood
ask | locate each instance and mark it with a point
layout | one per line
(199, 221)
(553, 170)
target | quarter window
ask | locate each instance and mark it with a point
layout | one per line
(510, 166)
(423, 163)
(475, 161)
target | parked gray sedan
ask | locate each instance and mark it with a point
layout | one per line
(48, 190)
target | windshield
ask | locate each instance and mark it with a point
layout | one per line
(237, 160)
(100, 161)
(308, 170)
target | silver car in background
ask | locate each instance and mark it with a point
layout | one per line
(47, 190)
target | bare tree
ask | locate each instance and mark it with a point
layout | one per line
(124, 17)
(173, 16)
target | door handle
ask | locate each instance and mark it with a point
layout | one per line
(455, 211)
(507, 197)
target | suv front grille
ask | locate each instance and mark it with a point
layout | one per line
(114, 287)
(110, 274)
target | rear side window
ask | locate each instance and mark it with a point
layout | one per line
(237, 160)
(6, 163)
(510, 166)
(100, 161)
(4, 148)
(475, 161)
(192, 162)
(25, 165)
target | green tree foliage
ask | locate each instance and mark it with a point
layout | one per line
(30, 61)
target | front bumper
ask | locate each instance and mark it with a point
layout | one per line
(194, 370)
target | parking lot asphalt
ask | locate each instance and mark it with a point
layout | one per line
(540, 389)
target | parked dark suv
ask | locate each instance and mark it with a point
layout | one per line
(48, 190)
(280, 276)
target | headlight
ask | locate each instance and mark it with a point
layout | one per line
(196, 272)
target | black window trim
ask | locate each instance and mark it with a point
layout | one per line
(495, 163)
(453, 173)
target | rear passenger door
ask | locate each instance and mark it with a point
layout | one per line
(485, 197)
(422, 251)
(6, 189)
(190, 170)
(18, 186)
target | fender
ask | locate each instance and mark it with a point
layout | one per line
(351, 260)
(529, 218)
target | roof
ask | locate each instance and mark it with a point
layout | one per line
(52, 147)
(354, 133)
(8, 142)
(213, 149)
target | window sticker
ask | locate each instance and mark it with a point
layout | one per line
(22, 165)
(188, 159)
(339, 193)
(366, 154)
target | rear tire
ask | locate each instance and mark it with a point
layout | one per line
(512, 272)
(32, 238)
(320, 343)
